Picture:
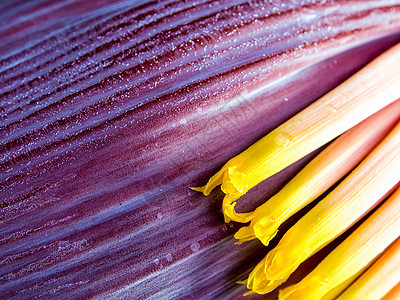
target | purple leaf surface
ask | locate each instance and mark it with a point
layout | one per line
(111, 110)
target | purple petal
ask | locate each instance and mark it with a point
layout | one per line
(110, 110)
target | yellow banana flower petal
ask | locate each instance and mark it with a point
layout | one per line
(394, 294)
(324, 120)
(346, 204)
(352, 256)
(319, 175)
(384, 271)
(258, 282)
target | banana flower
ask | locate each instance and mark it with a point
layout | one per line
(110, 110)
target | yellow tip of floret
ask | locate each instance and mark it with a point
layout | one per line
(249, 293)
(280, 264)
(257, 281)
(213, 182)
(232, 182)
(228, 207)
(244, 234)
(292, 291)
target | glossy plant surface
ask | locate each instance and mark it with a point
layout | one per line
(111, 110)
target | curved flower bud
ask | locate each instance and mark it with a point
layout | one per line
(319, 175)
(385, 271)
(330, 116)
(343, 207)
(352, 256)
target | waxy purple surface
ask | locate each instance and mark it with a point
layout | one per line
(110, 110)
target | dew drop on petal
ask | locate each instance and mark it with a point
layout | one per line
(282, 139)
(195, 247)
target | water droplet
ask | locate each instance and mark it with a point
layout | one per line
(195, 247)
(324, 279)
(283, 139)
(169, 257)
(286, 99)
(332, 108)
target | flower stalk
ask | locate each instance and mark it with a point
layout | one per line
(319, 175)
(330, 116)
(394, 294)
(369, 145)
(351, 257)
(359, 192)
(385, 271)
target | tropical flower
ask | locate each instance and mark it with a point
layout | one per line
(359, 192)
(109, 110)
(334, 162)
(331, 277)
(382, 277)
